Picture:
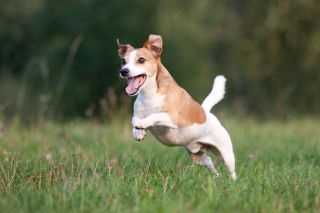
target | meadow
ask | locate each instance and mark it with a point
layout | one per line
(88, 166)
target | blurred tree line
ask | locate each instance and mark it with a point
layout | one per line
(58, 59)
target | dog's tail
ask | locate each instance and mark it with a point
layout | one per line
(216, 94)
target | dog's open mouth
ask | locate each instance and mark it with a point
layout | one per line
(134, 84)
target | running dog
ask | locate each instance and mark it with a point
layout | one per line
(171, 114)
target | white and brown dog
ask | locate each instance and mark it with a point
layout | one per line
(171, 114)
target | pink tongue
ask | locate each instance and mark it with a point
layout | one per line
(133, 86)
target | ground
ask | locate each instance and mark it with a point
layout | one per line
(86, 166)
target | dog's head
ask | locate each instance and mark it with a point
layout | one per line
(139, 65)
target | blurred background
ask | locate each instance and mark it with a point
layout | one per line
(58, 59)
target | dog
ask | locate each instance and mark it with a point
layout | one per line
(171, 114)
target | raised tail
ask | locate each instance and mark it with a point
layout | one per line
(216, 94)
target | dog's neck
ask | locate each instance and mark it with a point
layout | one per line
(150, 89)
(157, 83)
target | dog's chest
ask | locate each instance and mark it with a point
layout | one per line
(147, 105)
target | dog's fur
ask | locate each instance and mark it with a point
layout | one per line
(171, 114)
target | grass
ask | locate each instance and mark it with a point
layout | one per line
(92, 167)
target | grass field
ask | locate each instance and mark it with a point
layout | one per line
(91, 167)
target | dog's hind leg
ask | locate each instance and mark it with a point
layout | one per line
(200, 158)
(224, 147)
(229, 161)
(220, 139)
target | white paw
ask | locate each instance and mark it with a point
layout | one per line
(233, 176)
(139, 134)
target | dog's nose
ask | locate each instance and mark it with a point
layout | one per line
(124, 72)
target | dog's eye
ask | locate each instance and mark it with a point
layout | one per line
(141, 60)
(123, 61)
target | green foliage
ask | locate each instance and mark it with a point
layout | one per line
(63, 54)
(87, 167)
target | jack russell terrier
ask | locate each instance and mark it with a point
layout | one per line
(171, 114)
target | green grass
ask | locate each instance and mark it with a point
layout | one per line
(91, 167)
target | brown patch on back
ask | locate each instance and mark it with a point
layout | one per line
(183, 110)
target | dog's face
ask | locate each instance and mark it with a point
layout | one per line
(139, 65)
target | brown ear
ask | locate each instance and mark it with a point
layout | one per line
(154, 44)
(123, 48)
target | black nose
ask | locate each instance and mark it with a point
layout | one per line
(124, 72)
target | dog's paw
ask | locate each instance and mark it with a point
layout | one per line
(139, 134)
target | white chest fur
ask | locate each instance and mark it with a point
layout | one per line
(148, 100)
(147, 105)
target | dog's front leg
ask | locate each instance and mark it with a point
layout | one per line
(156, 119)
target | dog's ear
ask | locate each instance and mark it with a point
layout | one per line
(123, 48)
(154, 44)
